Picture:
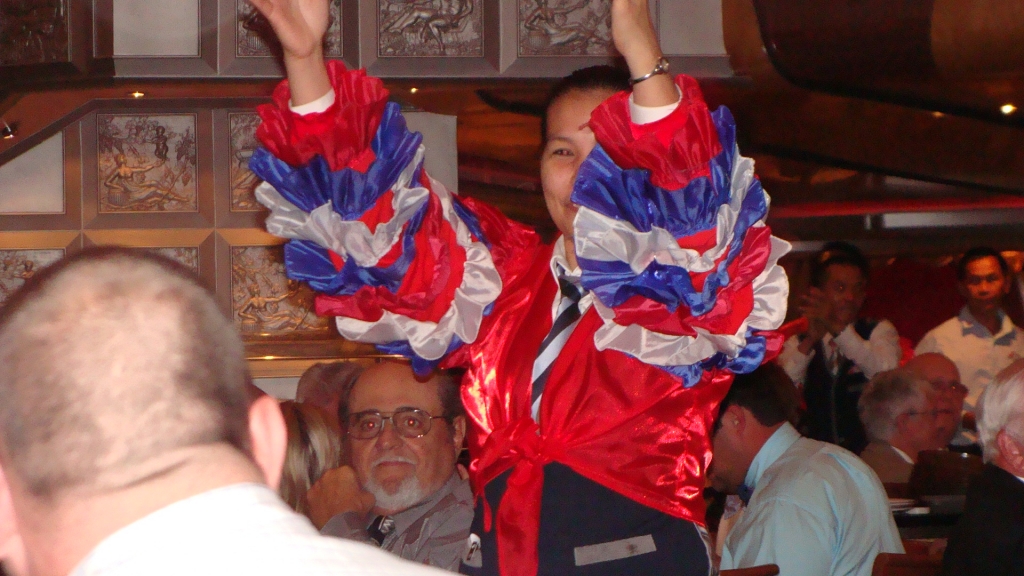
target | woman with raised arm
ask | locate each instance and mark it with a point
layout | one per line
(594, 366)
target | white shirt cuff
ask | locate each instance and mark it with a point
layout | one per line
(647, 114)
(319, 105)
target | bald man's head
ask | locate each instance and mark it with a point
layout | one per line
(934, 367)
(944, 377)
(110, 360)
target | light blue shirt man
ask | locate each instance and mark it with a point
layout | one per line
(815, 510)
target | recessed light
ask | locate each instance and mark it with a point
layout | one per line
(7, 132)
(137, 94)
(1007, 109)
(414, 90)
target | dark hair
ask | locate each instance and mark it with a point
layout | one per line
(837, 253)
(449, 392)
(602, 77)
(978, 253)
(767, 392)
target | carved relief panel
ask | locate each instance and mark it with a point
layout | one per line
(564, 28)
(17, 266)
(33, 32)
(430, 28)
(265, 302)
(146, 163)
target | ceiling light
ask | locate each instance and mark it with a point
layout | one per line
(137, 94)
(414, 90)
(7, 132)
(937, 114)
(1007, 109)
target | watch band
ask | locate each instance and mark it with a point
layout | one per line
(660, 68)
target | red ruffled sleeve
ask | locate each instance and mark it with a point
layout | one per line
(676, 149)
(341, 134)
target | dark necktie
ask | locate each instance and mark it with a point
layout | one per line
(745, 492)
(568, 316)
(380, 528)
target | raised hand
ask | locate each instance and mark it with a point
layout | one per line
(635, 38)
(300, 26)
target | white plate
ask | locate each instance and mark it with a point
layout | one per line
(899, 504)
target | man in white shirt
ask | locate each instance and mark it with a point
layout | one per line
(981, 340)
(131, 441)
(837, 354)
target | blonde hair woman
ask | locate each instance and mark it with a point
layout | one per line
(314, 446)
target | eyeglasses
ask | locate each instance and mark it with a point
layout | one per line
(410, 423)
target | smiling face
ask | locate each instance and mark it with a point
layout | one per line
(845, 287)
(569, 141)
(399, 471)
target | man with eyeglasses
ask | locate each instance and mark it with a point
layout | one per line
(403, 491)
(899, 413)
(944, 377)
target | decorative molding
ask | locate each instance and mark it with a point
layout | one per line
(242, 129)
(71, 218)
(192, 248)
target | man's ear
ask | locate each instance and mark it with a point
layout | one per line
(269, 436)
(458, 432)
(12, 549)
(735, 417)
(1011, 451)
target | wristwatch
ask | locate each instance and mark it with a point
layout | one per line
(660, 68)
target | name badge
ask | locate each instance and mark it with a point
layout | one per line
(608, 551)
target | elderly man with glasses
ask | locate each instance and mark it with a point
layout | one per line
(898, 409)
(404, 491)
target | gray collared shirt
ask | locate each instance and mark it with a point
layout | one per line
(432, 532)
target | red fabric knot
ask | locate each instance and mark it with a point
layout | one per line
(521, 447)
